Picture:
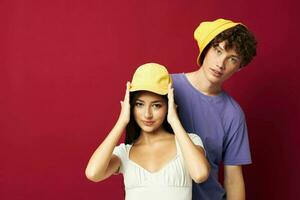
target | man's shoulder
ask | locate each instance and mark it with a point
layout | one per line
(175, 76)
(178, 80)
(232, 108)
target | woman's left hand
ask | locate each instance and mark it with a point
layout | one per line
(172, 113)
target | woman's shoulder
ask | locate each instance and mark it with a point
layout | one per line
(122, 149)
(196, 139)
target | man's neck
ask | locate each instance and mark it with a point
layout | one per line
(200, 82)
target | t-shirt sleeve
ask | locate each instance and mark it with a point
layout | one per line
(120, 152)
(236, 144)
(197, 140)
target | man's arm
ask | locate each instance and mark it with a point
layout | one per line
(234, 182)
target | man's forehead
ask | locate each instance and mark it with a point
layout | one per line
(224, 46)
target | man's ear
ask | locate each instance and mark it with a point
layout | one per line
(240, 68)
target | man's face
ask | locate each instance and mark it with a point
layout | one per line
(219, 64)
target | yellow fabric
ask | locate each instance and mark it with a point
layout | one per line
(207, 31)
(151, 77)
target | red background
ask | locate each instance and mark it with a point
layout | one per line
(63, 68)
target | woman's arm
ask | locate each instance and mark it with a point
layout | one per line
(194, 156)
(103, 163)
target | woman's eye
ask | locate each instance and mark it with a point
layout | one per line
(156, 105)
(137, 104)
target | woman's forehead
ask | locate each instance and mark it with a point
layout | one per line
(149, 96)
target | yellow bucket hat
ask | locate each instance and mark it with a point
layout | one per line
(151, 77)
(208, 30)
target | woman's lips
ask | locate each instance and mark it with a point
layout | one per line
(148, 123)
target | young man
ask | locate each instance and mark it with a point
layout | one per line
(204, 108)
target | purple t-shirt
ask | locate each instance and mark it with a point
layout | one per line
(220, 122)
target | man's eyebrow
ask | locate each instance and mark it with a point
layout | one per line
(221, 47)
(218, 46)
(236, 56)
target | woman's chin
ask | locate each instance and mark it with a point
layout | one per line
(149, 129)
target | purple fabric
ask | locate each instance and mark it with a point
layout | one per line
(220, 122)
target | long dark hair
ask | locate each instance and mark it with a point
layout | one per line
(133, 131)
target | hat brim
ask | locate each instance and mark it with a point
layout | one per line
(212, 35)
(160, 91)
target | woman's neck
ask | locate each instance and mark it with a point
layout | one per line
(151, 137)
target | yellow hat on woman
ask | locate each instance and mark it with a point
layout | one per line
(151, 77)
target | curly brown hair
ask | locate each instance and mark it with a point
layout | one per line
(238, 38)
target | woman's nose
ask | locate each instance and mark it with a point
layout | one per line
(148, 113)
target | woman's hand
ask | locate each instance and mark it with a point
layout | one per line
(172, 113)
(125, 107)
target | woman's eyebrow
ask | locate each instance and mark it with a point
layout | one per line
(155, 101)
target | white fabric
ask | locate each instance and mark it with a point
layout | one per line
(171, 182)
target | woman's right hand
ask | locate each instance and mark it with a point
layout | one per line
(125, 107)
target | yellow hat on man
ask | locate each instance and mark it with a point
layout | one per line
(208, 30)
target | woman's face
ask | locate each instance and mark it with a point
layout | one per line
(149, 111)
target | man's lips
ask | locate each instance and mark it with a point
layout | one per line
(216, 72)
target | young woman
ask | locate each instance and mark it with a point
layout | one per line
(159, 159)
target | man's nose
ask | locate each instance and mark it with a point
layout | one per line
(221, 63)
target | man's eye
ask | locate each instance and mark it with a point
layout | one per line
(233, 60)
(218, 51)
